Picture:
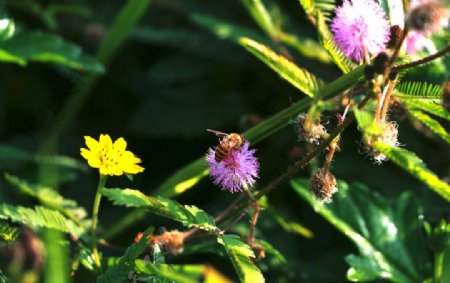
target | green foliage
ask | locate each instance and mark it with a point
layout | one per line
(299, 78)
(27, 46)
(190, 216)
(3, 278)
(327, 41)
(415, 166)
(432, 124)
(8, 233)
(418, 90)
(240, 255)
(169, 272)
(261, 16)
(10, 155)
(428, 106)
(119, 271)
(125, 21)
(50, 198)
(40, 217)
(389, 237)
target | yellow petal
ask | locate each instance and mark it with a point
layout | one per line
(120, 144)
(91, 143)
(105, 141)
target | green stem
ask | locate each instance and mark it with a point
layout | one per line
(438, 264)
(98, 196)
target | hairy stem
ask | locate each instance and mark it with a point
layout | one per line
(95, 208)
(422, 61)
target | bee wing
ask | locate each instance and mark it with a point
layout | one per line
(217, 133)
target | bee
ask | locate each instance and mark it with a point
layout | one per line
(228, 143)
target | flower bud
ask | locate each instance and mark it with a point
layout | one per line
(446, 96)
(395, 37)
(380, 63)
(323, 185)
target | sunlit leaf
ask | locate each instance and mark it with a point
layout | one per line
(418, 90)
(432, 124)
(187, 215)
(240, 255)
(415, 166)
(299, 78)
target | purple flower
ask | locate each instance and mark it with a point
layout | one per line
(360, 26)
(237, 170)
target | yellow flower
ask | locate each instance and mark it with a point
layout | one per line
(110, 158)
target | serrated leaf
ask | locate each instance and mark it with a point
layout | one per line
(428, 106)
(330, 46)
(299, 78)
(120, 270)
(418, 90)
(261, 16)
(26, 46)
(240, 254)
(190, 216)
(432, 124)
(40, 217)
(50, 198)
(8, 233)
(10, 154)
(415, 166)
(391, 243)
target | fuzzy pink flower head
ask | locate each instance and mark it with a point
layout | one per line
(237, 170)
(358, 26)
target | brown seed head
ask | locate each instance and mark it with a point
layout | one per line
(396, 35)
(171, 242)
(323, 186)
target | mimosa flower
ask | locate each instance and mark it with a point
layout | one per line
(237, 170)
(110, 158)
(360, 26)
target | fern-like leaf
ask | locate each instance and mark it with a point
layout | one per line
(432, 124)
(120, 270)
(261, 16)
(40, 217)
(240, 255)
(418, 90)
(298, 77)
(430, 107)
(415, 166)
(50, 198)
(8, 233)
(187, 215)
(330, 46)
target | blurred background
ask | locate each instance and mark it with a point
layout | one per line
(179, 72)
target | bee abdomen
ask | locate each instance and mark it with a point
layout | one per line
(221, 152)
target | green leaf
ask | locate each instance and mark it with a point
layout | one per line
(390, 240)
(40, 217)
(330, 46)
(27, 46)
(10, 154)
(418, 90)
(240, 254)
(299, 78)
(124, 22)
(272, 251)
(415, 166)
(428, 106)
(290, 226)
(3, 278)
(432, 124)
(366, 122)
(169, 272)
(190, 216)
(261, 16)
(51, 198)
(8, 233)
(119, 271)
